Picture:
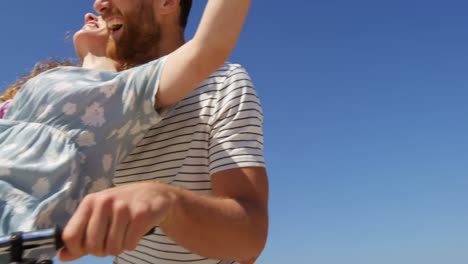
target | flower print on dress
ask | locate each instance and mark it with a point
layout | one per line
(94, 116)
(108, 90)
(86, 139)
(41, 187)
(69, 109)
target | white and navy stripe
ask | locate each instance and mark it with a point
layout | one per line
(217, 127)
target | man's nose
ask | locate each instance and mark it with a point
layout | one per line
(101, 6)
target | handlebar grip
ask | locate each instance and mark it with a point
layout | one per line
(58, 238)
(38, 239)
(16, 244)
(45, 237)
(59, 242)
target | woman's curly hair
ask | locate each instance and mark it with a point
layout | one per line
(38, 68)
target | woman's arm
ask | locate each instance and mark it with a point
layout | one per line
(212, 44)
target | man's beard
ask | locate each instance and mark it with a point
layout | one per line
(139, 41)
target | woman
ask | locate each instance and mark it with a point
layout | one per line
(68, 127)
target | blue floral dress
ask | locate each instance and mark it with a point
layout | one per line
(63, 135)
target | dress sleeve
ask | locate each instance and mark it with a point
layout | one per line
(155, 69)
(147, 77)
(236, 138)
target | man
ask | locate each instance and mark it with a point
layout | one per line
(198, 175)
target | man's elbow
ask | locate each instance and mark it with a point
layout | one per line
(257, 239)
(261, 237)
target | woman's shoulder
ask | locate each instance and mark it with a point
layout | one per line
(156, 62)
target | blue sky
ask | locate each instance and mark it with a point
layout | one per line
(365, 106)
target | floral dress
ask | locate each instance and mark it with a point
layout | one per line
(63, 135)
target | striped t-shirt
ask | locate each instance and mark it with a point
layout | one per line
(217, 127)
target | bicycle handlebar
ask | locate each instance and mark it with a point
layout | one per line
(18, 242)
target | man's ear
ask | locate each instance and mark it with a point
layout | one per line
(168, 6)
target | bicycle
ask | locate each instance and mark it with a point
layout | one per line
(18, 242)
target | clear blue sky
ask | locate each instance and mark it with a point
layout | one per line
(366, 132)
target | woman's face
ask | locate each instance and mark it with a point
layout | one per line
(92, 37)
(135, 32)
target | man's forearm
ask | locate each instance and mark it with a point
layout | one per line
(114, 220)
(219, 228)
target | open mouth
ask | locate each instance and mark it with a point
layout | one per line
(115, 27)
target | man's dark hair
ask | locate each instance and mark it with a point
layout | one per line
(185, 6)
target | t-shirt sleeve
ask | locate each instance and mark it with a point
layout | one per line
(236, 138)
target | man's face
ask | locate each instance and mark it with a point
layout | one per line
(134, 31)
